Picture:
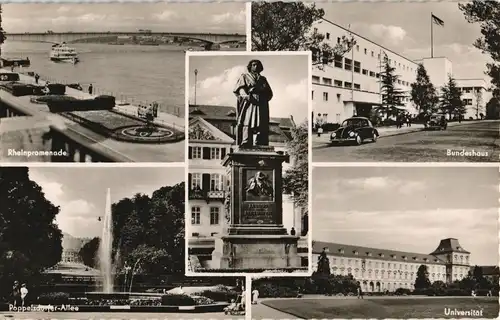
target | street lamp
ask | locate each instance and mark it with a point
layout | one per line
(127, 270)
(133, 273)
(195, 84)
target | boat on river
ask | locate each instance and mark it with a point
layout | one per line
(63, 53)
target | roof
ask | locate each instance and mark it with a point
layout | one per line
(449, 245)
(376, 254)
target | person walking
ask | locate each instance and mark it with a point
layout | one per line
(360, 292)
(16, 293)
(255, 296)
(91, 89)
(37, 77)
(24, 293)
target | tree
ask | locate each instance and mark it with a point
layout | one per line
(30, 240)
(422, 281)
(286, 26)
(451, 98)
(486, 13)
(88, 252)
(423, 93)
(2, 32)
(479, 103)
(391, 96)
(296, 179)
(493, 109)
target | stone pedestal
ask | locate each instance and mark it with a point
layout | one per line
(256, 238)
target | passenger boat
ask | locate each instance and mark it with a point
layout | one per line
(62, 53)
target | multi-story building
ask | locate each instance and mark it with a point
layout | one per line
(71, 247)
(475, 96)
(351, 84)
(211, 137)
(379, 270)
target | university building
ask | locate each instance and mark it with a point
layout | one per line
(351, 84)
(211, 137)
(379, 270)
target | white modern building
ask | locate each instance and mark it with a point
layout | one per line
(351, 85)
(211, 137)
(475, 96)
(379, 270)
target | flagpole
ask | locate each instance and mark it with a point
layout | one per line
(432, 39)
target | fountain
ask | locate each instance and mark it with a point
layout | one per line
(105, 248)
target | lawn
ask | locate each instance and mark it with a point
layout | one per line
(401, 308)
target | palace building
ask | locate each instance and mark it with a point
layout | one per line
(379, 270)
(351, 85)
(211, 137)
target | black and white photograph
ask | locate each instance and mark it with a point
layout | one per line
(248, 162)
(422, 243)
(103, 82)
(107, 243)
(395, 81)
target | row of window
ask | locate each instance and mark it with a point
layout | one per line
(471, 89)
(387, 275)
(207, 153)
(216, 182)
(393, 256)
(372, 54)
(390, 265)
(337, 83)
(467, 102)
(196, 215)
(339, 97)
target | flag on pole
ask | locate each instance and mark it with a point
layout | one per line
(437, 21)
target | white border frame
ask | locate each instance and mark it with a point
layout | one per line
(250, 54)
(249, 26)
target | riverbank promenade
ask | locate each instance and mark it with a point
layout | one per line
(26, 126)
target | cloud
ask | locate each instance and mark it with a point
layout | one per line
(230, 17)
(64, 9)
(92, 17)
(166, 15)
(394, 34)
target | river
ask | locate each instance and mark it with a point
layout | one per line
(137, 74)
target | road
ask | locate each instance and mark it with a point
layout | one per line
(113, 316)
(480, 138)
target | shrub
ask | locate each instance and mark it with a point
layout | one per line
(53, 298)
(457, 292)
(202, 300)
(272, 290)
(402, 291)
(56, 88)
(177, 300)
(220, 295)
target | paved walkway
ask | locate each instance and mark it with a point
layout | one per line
(163, 117)
(388, 131)
(262, 312)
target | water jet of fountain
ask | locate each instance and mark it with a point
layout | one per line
(105, 248)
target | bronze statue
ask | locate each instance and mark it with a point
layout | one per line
(253, 95)
(259, 185)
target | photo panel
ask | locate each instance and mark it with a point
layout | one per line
(387, 88)
(104, 82)
(102, 242)
(395, 242)
(248, 163)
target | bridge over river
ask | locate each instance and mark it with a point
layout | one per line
(68, 37)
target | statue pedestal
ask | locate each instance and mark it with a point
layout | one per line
(256, 238)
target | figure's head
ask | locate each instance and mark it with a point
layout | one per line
(260, 176)
(23, 285)
(255, 66)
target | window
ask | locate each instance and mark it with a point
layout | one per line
(327, 81)
(338, 97)
(338, 40)
(196, 153)
(378, 56)
(377, 75)
(357, 66)
(337, 83)
(357, 86)
(214, 215)
(195, 215)
(347, 85)
(312, 95)
(338, 61)
(215, 153)
(357, 48)
(325, 96)
(366, 51)
(373, 54)
(347, 64)
(215, 182)
(315, 79)
(372, 74)
(365, 72)
(327, 36)
(196, 181)
(315, 30)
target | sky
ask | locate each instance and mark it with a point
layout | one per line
(81, 192)
(408, 209)
(160, 17)
(404, 27)
(217, 76)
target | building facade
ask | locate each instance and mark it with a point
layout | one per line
(211, 137)
(351, 84)
(475, 96)
(380, 270)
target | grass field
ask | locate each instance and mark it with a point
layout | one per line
(384, 307)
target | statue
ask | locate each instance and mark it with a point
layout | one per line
(259, 186)
(227, 206)
(253, 95)
(323, 263)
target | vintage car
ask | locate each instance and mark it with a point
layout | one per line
(355, 129)
(436, 121)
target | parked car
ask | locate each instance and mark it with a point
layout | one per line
(436, 122)
(355, 129)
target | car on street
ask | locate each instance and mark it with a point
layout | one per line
(436, 122)
(355, 130)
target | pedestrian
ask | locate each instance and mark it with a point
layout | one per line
(24, 293)
(91, 88)
(360, 292)
(409, 120)
(16, 293)
(255, 296)
(37, 77)
(292, 231)
(398, 121)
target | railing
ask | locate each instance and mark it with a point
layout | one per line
(205, 195)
